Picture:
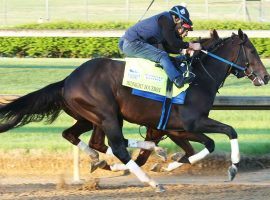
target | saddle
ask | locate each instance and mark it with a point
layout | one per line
(149, 81)
(183, 65)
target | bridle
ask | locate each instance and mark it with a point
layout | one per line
(234, 68)
(249, 73)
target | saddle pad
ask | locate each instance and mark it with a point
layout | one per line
(143, 75)
(179, 99)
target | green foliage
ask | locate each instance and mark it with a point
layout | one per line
(80, 47)
(262, 45)
(105, 47)
(198, 25)
(229, 25)
(59, 47)
(67, 25)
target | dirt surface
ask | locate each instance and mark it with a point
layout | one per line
(38, 175)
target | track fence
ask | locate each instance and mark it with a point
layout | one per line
(13, 12)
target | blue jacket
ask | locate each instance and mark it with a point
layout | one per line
(159, 28)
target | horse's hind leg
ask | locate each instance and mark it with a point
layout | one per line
(72, 135)
(191, 157)
(184, 144)
(97, 140)
(156, 135)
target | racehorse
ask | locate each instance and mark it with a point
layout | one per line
(180, 138)
(94, 93)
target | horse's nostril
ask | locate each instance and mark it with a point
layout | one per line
(266, 79)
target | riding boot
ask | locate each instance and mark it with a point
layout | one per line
(175, 76)
(185, 70)
(179, 81)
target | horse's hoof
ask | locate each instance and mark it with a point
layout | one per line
(162, 153)
(126, 172)
(232, 171)
(160, 188)
(172, 166)
(94, 165)
(156, 167)
(177, 156)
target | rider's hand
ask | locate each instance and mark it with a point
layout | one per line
(188, 51)
(195, 46)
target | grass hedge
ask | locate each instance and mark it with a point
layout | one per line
(97, 47)
(80, 47)
(59, 47)
(198, 25)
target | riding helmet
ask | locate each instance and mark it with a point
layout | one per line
(182, 13)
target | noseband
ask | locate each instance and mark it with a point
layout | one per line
(234, 68)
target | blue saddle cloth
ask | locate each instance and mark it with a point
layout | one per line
(179, 99)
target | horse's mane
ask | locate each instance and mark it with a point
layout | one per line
(209, 44)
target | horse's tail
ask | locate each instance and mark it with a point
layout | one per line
(45, 103)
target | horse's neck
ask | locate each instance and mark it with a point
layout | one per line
(214, 69)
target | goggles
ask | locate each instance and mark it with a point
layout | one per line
(186, 26)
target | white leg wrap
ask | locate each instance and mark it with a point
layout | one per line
(118, 167)
(202, 154)
(109, 151)
(173, 165)
(141, 144)
(141, 175)
(132, 143)
(91, 152)
(235, 156)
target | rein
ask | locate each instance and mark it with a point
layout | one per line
(232, 64)
(237, 67)
(212, 48)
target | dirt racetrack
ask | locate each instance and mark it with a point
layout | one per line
(37, 175)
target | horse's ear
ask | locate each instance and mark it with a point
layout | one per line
(241, 34)
(214, 34)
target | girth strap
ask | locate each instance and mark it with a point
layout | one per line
(166, 106)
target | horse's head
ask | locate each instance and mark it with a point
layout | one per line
(246, 55)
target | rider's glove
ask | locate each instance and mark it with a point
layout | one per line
(195, 46)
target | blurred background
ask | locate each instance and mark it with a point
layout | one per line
(13, 12)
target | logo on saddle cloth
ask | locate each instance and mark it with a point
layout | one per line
(143, 75)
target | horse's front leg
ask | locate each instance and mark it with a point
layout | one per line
(117, 142)
(207, 125)
(97, 142)
(151, 135)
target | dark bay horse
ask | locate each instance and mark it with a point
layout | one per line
(94, 93)
(180, 138)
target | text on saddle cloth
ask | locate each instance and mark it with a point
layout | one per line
(143, 75)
